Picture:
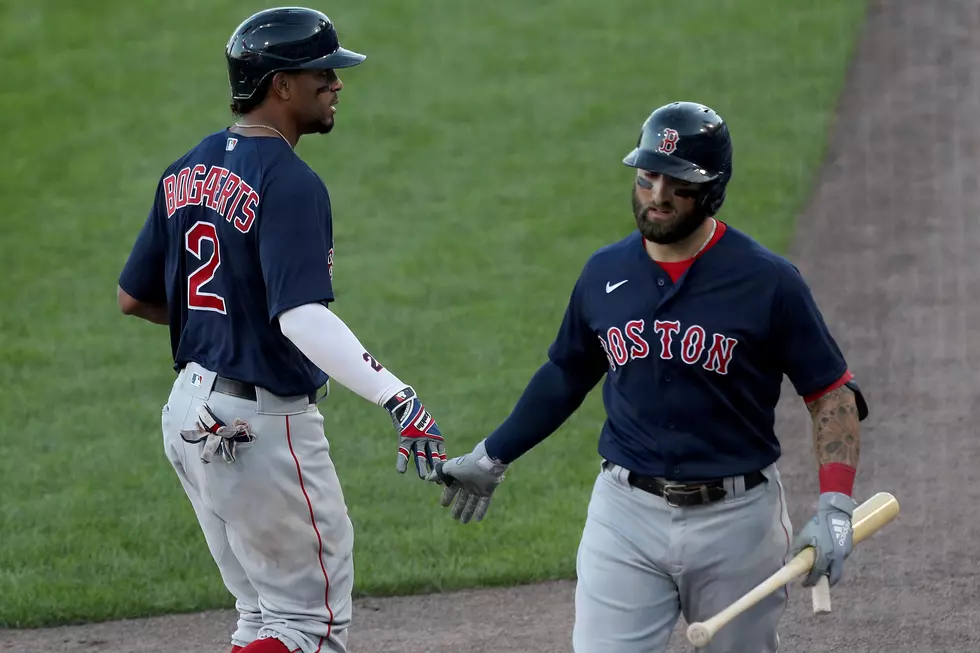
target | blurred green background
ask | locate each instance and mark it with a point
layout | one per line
(475, 165)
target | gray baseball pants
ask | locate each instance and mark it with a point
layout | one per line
(642, 563)
(274, 520)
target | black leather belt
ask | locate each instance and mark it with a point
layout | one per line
(680, 495)
(243, 390)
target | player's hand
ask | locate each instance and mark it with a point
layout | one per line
(470, 480)
(831, 535)
(419, 437)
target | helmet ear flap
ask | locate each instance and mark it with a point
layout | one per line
(712, 197)
(713, 194)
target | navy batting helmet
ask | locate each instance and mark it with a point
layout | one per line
(688, 141)
(281, 39)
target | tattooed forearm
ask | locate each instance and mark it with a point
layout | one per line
(836, 429)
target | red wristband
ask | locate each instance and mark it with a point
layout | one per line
(837, 477)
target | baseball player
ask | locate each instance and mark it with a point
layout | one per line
(236, 257)
(693, 325)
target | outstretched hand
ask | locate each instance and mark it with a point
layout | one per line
(419, 437)
(470, 482)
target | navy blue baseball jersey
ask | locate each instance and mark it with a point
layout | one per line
(694, 359)
(240, 231)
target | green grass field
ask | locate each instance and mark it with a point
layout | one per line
(475, 165)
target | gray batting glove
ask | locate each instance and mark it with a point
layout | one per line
(470, 480)
(831, 535)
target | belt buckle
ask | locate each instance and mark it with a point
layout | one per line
(668, 488)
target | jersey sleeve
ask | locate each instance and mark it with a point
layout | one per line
(576, 348)
(808, 352)
(295, 241)
(143, 277)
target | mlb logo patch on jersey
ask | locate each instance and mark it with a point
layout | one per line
(230, 145)
(196, 380)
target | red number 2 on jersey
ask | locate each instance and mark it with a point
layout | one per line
(196, 299)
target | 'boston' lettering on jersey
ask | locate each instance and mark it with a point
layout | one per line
(217, 188)
(694, 364)
(690, 347)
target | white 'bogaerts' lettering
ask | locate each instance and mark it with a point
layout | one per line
(196, 185)
(218, 189)
(248, 211)
(620, 349)
(230, 188)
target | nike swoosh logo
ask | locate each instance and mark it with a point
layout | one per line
(612, 286)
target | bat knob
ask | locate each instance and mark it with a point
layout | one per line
(698, 634)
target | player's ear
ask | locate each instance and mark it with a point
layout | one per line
(280, 85)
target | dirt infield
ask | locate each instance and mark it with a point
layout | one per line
(889, 244)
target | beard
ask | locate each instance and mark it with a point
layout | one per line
(325, 123)
(669, 230)
(319, 125)
(322, 126)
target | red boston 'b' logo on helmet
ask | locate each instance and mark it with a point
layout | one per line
(669, 142)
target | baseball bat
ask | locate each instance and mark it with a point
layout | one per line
(820, 595)
(868, 518)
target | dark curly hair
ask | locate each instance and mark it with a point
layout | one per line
(242, 107)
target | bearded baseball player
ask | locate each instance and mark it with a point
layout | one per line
(236, 257)
(693, 325)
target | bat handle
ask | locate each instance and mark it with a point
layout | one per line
(821, 596)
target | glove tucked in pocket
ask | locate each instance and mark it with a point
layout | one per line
(217, 436)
